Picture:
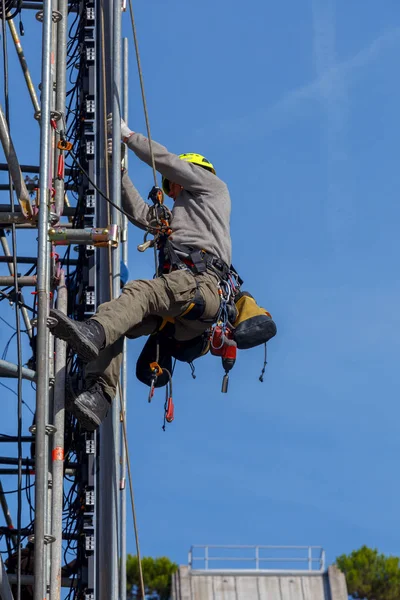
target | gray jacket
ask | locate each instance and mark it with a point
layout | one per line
(201, 213)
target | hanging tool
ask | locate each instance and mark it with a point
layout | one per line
(223, 345)
(156, 195)
(156, 371)
(62, 145)
(169, 410)
(161, 216)
(146, 243)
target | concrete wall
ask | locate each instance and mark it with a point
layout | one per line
(337, 584)
(328, 586)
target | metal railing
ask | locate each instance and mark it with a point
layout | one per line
(299, 559)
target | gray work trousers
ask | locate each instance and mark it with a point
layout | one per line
(137, 312)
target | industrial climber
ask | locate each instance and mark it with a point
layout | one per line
(194, 259)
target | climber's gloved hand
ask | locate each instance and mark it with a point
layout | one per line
(125, 131)
(110, 151)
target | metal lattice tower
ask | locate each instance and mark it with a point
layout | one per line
(76, 537)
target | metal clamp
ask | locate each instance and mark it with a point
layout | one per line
(51, 322)
(48, 539)
(53, 218)
(55, 115)
(56, 16)
(50, 429)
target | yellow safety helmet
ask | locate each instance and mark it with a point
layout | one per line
(196, 159)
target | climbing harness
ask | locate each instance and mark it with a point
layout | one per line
(160, 228)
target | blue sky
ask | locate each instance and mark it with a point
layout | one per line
(296, 104)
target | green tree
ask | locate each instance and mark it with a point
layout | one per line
(370, 575)
(157, 575)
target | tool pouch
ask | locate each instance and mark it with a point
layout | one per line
(190, 350)
(169, 348)
(149, 355)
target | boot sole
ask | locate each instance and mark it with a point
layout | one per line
(69, 332)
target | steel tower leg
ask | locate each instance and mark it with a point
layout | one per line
(116, 259)
(58, 449)
(42, 390)
(124, 374)
(109, 471)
